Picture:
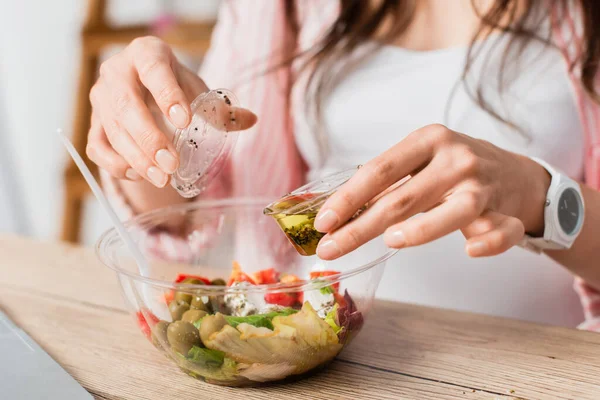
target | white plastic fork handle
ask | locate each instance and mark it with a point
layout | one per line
(89, 178)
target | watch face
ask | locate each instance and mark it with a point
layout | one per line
(569, 211)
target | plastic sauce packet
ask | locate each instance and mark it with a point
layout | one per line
(295, 212)
(205, 145)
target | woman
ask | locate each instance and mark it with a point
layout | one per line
(337, 84)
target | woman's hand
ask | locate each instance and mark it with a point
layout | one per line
(493, 196)
(124, 138)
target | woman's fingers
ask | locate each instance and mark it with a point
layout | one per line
(412, 153)
(121, 140)
(415, 195)
(126, 136)
(154, 62)
(224, 116)
(118, 100)
(124, 144)
(101, 153)
(134, 117)
(492, 233)
(457, 211)
(120, 97)
(240, 119)
(190, 82)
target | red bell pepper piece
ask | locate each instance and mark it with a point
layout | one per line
(181, 277)
(238, 276)
(241, 277)
(266, 276)
(321, 274)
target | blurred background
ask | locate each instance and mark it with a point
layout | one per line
(49, 55)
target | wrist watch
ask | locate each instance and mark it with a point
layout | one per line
(563, 213)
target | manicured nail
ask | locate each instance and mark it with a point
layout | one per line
(132, 175)
(396, 239)
(166, 161)
(178, 116)
(326, 221)
(476, 249)
(157, 177)
(328, 249)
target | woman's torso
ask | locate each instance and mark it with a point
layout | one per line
(397, 91)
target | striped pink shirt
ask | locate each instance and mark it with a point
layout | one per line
(249, 36)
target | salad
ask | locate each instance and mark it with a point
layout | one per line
(245, 337)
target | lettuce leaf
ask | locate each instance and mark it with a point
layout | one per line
(210, 364)
(198, 323)
(207, 357)
(259, 320)
(299, 342)
(327, 290)
(331, 319)
(254, 320)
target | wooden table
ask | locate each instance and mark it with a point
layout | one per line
(71, 304)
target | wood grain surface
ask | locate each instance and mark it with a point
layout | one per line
(71, 305)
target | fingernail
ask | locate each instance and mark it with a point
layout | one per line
(166, 161)
(396, 239)
(157, 177)
(476, 249)
(328, 249)
(132, 175)
(326, 221)
(178, 116)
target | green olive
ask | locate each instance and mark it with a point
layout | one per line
(192, 281)
(192, 315)
(177, 308)
(183, 336)
(212, 324)
(218, 282)
(187, 297)
(198, 304)
(217, 303)
(183, 297)
(159, 333)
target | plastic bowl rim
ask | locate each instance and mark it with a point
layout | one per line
(230, 202)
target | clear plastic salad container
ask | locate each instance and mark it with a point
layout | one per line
(233, 308)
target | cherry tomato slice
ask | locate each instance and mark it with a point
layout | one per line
(291, 279)
(282, 299)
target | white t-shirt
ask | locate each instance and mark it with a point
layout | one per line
(397, 91)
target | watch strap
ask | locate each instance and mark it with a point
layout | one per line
(538, 244)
